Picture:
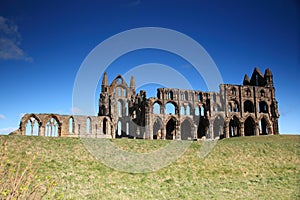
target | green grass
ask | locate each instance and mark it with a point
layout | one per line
(264, 167)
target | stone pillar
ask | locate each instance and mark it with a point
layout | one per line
(41, 130)
(178, 132)
(59, 134)
(226, 128)
(78, 130)
(113, 131)
(211, 131)
(22, 129)
(270, 130)
(96, 129)
(108, 129)
(163, 134)
(256, 129)
(150, 132)
(195, 131)
(242, 129)
(148, 125)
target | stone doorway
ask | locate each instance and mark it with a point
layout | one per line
(171, 129)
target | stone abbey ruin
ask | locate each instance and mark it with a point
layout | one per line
(236, 110)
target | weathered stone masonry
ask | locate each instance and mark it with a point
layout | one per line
(236, 110)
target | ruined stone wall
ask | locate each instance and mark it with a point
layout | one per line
(56, 125)
(236, 110)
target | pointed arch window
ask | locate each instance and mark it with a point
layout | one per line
(32, 127)
(52, 128)
(119, 132)
(71, 125)
(170, 109)
(188, 110)
(170, 95)
(104, 126)
(88, 125)
(156, 108)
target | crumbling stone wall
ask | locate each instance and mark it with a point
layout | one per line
(56, 125)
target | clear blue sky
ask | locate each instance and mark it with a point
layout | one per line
(43, 43)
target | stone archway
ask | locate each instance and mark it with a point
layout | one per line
(265, 127)
(157, 129)
(186, 130)
(203, 127)
(234, 127)
(171, 129)
(218, 127)
(249, 127)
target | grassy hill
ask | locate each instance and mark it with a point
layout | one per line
(264, 167)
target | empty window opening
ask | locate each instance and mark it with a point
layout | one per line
(186, 96)
(32, 127)
(263, 107)
(156, 108)
(182, 110)
(71, 125)
(127, 128)
(88, 125)
(234, 127)
(233, 106)
(119, 92)
(263, 126)
(200, 97)
(248, 106)
(187, 110)
(104, 127)
(170, 95)
(170, 109)
(119, 131)
(125, 93)
(119, 81)
(52, 128)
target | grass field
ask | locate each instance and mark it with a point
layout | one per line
(263, 167)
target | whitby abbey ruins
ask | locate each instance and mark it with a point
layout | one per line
(235, 110)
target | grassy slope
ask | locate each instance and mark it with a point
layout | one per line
(238, 168)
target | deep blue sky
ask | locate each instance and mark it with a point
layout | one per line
(43, 43)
